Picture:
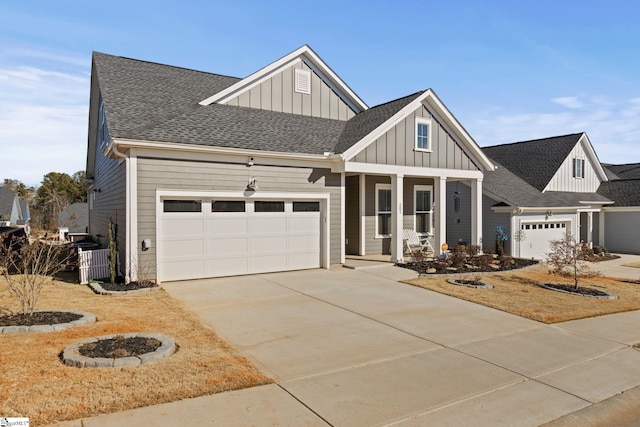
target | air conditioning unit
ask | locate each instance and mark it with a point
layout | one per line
(5, 223)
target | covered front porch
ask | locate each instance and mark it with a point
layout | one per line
(379, 206)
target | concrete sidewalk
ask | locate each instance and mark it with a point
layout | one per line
(354, 348)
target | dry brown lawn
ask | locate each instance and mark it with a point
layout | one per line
(632, 264)
(516, 292)
(36, 384)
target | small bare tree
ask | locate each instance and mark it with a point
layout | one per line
(567, 259)
(27, 267)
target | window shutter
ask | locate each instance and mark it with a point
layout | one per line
(582, 169)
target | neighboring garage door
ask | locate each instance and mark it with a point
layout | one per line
(214, 238)
(536, 236)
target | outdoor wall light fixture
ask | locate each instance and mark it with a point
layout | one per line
(250, 162)
(251, 184)
(97, 190)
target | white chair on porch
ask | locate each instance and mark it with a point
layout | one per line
(413, 242)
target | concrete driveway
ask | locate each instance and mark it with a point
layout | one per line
(356, 348)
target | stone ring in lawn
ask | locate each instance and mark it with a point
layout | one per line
(118, 350)
(53, 320)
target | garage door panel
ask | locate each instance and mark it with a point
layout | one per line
(183, 248)
(228, 246)
(267, 244)
(180, 227)
(183, 270)
(227, 266)
(537, 238)
(300, 261)
(304, 242)
(222, 226)
(270, 225)
(303, 224)
(267, 263)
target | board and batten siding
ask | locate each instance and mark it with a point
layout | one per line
(563, 180)
(491, 220)
(622, 232)
(277, 94)
(204, 176)
(397, 147)
(378, 245)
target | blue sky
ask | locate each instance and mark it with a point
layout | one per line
(509, 71)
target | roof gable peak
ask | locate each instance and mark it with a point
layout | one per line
(309, 57)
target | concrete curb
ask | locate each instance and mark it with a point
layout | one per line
(71, 354)
(86, 319)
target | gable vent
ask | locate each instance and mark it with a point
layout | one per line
(302, 81)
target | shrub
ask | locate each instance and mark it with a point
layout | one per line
(28, 267)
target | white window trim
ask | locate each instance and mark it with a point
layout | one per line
(582, 163)
(417, 188)
(380, 187)
(429, 124)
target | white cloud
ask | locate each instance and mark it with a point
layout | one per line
(569, 102)
(612, 127)
(43, 122)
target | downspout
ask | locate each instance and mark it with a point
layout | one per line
(127, 244)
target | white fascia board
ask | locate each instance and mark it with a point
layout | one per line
(443, 115)
(376, 169)
(586, 143)
(536, 209)
(314, 62)
(621, 208)
(189, 150)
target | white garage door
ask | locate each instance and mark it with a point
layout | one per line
(536, 236)
(214, 238)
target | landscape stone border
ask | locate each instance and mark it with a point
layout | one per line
(86, 319)
(71, 355)
(482, 285)
(98, 289)
(607, 296)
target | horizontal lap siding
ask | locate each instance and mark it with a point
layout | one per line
(184, 175)
(109, 201)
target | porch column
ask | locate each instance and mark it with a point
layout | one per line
(601, 228)
(590, 229)
(476, 212)
(440, 214)
(361, 190)
(396, 218)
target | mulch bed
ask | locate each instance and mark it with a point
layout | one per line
(479, 264)
(123, 287)
(38, 318)
(599, 258)
(580, 290)
(120, 347)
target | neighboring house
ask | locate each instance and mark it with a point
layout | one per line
(206, 175)
(13, 210)
(621, 231)
(545, 189)
(73, 222)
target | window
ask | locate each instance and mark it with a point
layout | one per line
(578, 168)
(306, 206)
(383, 210)
(182, 205)
(103, 131)
(227, 206)
(267, 206)
(422, 208)
(423, 134)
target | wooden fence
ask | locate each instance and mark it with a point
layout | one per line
(94, 264)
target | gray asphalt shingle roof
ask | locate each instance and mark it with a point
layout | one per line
(514, 190)
(150, 101)
(624, 192)
(626, 171)
(7, 196)
(534, 161)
